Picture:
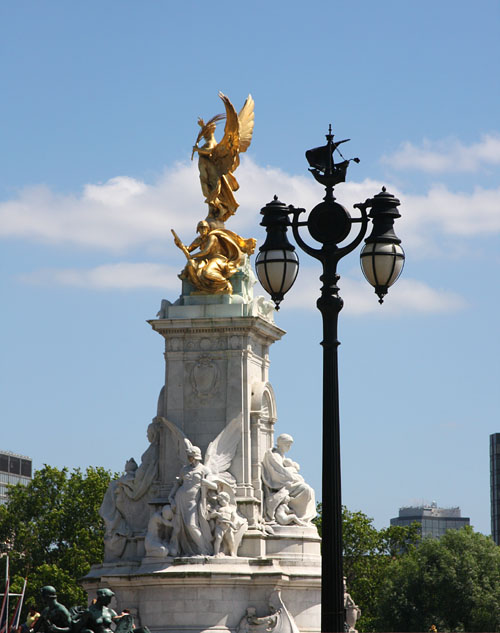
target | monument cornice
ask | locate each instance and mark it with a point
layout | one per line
(222, 325)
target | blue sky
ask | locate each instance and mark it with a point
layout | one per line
(97, 120)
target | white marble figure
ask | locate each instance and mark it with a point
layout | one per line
(116, 526)
(229, 526)
(288, 500)
(124, 507)
(197, 528)
(278, 621)
(264, 308)
(352, 611)
(159, 532)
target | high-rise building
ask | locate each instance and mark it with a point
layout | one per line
(433, 521)
(14, 469)
(495, 486)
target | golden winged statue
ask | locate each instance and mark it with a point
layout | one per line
(220, 252)
(218, 161)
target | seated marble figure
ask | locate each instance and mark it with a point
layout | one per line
(288, 499)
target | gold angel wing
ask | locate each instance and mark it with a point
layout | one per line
(226, 151)
(217, 163)
(237, 136)
(246, 120)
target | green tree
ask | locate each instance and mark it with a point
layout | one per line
(52, 530)
(452, 582)
(368, 555)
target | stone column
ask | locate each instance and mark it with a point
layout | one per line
(216, 371)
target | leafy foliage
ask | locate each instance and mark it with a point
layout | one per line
(404, 583)
(453, 583)
(52, 530)
(368, 555)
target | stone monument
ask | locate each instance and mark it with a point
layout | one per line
(213, 531)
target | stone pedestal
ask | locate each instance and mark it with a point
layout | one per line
(216, 377)
(212, 595)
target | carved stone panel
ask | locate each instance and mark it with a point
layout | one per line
(205, 377)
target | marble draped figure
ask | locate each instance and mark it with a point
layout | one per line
(288, 500)
(205, 517)
(124, 508)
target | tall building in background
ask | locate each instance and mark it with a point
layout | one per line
(495, 486)
(14, 469)
(433, 521)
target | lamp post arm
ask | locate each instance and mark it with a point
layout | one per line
(345, 250)
(314, 252)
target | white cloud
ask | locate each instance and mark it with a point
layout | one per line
(406, 296)
(117, 215)
(431, 223)
(447, 155)
(121, 275)
(125, 213)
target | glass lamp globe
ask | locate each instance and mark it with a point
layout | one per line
(382, 263)
(277, 270)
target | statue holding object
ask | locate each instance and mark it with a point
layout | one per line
(221, 252)
(288, 499)
(218, 161)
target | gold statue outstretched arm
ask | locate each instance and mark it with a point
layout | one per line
(180, 245)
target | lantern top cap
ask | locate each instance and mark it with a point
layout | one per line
(385, 197)
(275, 208)
(275, 202)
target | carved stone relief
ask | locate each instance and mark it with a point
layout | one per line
(279, 620)
(204, 377)
(174, 344)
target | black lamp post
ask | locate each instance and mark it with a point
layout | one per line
(277, 264)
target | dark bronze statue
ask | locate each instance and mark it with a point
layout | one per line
(55, 618)
(97, 618)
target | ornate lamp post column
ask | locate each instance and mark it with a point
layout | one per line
(382, 259)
